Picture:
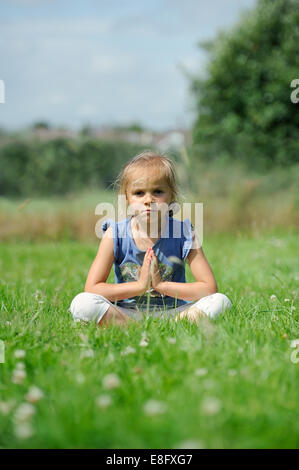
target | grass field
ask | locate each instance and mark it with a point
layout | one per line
(230, 383)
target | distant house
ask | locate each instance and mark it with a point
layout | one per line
(164, 141)
(172, 139)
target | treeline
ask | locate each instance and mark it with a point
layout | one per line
(41, 168)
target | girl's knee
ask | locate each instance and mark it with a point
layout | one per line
(88, 307)
(214, 304)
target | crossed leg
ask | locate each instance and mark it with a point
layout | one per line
(116, 317)
(210, 307)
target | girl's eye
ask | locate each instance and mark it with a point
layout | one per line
(140, 193)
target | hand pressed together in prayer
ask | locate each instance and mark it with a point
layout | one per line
(155, 273)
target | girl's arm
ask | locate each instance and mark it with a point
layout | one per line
(205, 283)
(100, 269)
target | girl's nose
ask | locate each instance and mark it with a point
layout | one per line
(148, 198)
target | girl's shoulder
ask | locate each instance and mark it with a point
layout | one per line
(112, 222)
(119, 227)
(119, 235)
(184, 227)
(188, 237)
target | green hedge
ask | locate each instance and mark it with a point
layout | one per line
(41, 168)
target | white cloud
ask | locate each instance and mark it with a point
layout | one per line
(110, 63)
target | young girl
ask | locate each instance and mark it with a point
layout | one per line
(148, 256)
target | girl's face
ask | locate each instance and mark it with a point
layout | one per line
(148, 194)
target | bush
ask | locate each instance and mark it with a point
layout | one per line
(243, 103)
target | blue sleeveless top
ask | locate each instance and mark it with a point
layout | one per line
(171, 251)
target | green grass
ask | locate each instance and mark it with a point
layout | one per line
(72, 202)
(246, 354)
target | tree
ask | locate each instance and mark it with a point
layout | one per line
(244, 110)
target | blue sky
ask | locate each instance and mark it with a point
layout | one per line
(78, 62)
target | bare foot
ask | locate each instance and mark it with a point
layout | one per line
(116, 317)
(193, 314)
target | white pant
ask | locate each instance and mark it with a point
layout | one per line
(92, 307)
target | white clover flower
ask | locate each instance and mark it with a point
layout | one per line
(37, 293)
(24, 412)
(293, 307)
(286, 300)
(128, 350)
(294, 343)
(171, 340)
(87, 353)
(18, 376)
(190, 444)
(273, 298)
(103, 401)
(20, 353)
(144, 342)
(34, 394)
(154, 407)
(20, 365)
(6, 406)
(210, 406)
(23, 430)
(111, 381)
(201, 372)
(80, 378)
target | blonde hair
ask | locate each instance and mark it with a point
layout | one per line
(149, 159)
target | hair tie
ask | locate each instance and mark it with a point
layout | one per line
(173, 208)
